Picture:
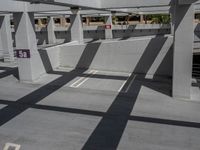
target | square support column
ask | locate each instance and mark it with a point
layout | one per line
(51, 31)
(31, 68)
(88, 21)
(76, 26)
(141, 18)
(6, 38)
(183, 48)
(63, 21)
(108, 27)
(172, 12)
(40, 24)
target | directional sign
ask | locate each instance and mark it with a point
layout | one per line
(23, 53)
(108, 26)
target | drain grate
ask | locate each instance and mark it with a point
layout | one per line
(11, 146)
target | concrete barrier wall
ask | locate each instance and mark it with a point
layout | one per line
(149, 55)
(51, 56)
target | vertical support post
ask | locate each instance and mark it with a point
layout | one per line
(51, 31)
(141, 18)
(63, 21)
(108, 27)
(183, 47)
(76, 25)
(40, 24)
(88, 21)
(172, 12)
(1, 49)
(6, 38)
(31, 68)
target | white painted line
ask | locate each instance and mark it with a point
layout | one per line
(82, 78)
(86, 79)
(124, 84)
(12, 145)
(130, 83)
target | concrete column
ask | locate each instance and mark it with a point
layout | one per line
(127, 19)
(6, 38)
(1, 49)
(108, 27)
(76, 26)
(183, 47)
(172, 12)
(40, 24)
(88, 21)
(141, 18)
(51, 31)
(31, 68)
(63, 21)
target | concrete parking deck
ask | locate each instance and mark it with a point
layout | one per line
(83, 109)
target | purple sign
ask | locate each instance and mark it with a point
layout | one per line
(23, 53)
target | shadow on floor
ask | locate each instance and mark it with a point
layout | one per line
(110, 129)
(9, 71)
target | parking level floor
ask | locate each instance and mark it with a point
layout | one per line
(96, 110)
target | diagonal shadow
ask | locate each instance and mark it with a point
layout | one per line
(9, 71)
(42, 36)
(9, 112)
(117, 113)
(197, 32)
(48, 67)
(110, 129)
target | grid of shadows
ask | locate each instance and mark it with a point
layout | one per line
(9, 112)
(114, 120)
(102, 114)
(109, 131)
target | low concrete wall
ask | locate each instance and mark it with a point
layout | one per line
(51, 56)
(147, 55)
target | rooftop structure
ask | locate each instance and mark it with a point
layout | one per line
(103, 70)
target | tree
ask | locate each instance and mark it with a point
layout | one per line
(159, 19)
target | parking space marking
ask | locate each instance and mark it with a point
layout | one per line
(130, 83)
(12, 146)
(86, 79)
(82, 80)
(124, 83)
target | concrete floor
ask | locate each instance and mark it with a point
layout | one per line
(83, 109)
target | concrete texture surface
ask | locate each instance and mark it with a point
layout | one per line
(51, 115)
(123, 55)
